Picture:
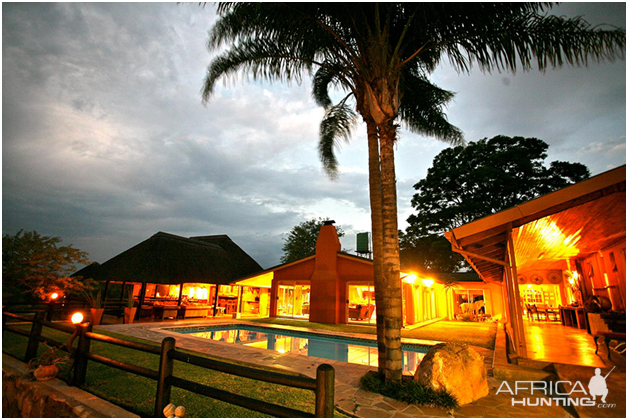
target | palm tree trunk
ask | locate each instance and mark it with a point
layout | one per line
(391, 265)
(375, 191)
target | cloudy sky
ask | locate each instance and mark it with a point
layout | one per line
(105, 140)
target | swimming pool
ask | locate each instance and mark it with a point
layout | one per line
(351, 350)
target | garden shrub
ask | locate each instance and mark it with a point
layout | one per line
(408, 391)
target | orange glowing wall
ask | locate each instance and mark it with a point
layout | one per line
(328, 274)
(605, 275)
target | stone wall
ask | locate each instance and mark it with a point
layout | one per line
(22, 396)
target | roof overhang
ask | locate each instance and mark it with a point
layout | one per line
(586, 217)
(261, 280)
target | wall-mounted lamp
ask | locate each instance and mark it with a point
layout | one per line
(427, 282)
(409, 278)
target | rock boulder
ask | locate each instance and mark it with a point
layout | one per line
(455, 367)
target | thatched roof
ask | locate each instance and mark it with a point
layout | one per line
(88, 272)
(170, 259)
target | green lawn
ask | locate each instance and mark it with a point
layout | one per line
(137, 394)
(481, 334)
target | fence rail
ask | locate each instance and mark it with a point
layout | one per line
(323, 385)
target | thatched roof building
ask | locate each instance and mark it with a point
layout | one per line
(170, 259)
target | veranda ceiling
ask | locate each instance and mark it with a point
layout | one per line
(573, 222)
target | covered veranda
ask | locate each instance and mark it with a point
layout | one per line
(170, 276)
(555, 255)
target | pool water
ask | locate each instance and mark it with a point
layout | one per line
(358, 351)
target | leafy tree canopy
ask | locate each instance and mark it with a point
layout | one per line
(485, 177)
(34, 266)
(301, 241)
(428, 254)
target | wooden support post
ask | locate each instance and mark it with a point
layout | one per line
(106, 290)
(180, 295)
(50, 311)
(519, 341)
(166, 366)
(216, 300)
(325, 377)
(80, 360)
(141, 301)
(239, 310)
(33, 339)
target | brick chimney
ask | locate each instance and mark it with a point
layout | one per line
(325, 285)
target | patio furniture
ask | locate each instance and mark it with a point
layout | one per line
(146, 311)
(529, 312)
(166, 311)
(608, 336)
(361, 312)
(194, 311)
(354, 312)
(547, 311)
(573, 316)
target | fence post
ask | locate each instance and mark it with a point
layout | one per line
(4, 320)
(80, 360)
(166, 366)
(325, 376)
(33, 339)
(51, 309)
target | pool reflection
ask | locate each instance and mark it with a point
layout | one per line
(327, 348)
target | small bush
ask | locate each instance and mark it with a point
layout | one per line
(408, 391)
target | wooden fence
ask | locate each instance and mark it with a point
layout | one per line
(323, 385)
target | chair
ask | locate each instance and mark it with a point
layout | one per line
(366, 312)
(608, 336)
(532, 309)
(354, 313)
(542, 309)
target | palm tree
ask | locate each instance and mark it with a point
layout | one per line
(421, 109)
(373, 48)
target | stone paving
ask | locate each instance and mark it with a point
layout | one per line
(350, 399)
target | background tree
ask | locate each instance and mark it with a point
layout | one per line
(429, 254)
(467, 183)
(379, 44)
(34, 266)
(301, 241)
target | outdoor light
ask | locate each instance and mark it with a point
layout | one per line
(77, 318)
(427, 282)
(410, 278)
(54, 295)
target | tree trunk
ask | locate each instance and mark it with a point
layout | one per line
(391, 265)
(375, 192)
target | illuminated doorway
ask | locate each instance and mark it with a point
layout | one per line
(361, 302)
(427, 303)
(468, 304)
(293, 299)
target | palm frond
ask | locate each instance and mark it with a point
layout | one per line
(337, 125)
(260, 58)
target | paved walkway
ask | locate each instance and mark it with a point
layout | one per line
(350, 399)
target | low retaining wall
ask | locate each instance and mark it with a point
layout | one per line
(22, 396)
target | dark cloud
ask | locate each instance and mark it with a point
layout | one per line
(106, 140)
